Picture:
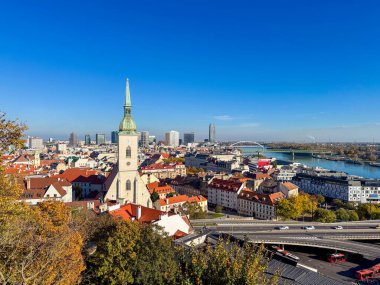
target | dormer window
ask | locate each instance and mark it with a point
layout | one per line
(128, 152)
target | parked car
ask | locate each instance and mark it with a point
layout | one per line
(309, 227)
(282, 228)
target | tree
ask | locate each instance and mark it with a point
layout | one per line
(40, 247)
(338, 203)
(225, 263)
(194, 211)
(154, 196)
(306, 203)
(218, 209)
(350, 206)
(342, 214)
(325, 216)
(274, 164)
(353, 215)
(288, 209)
(37, 245)
(11, 133)
(131, 253)
(321, 199)
(368, 211)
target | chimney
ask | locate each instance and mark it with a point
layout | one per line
(28, 183)
(91, 205)
(138, 214)
(167, 201)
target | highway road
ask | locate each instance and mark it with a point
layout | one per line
(324, 236)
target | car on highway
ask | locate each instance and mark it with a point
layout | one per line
(338, 228)
(309, 228)
(377, 227)
(282, 228)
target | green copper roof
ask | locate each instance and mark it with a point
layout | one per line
(127, 125)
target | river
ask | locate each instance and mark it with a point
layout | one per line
(364, 170)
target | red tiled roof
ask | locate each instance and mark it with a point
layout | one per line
(174, 200)
(59, 188)
(129, 211)
(48, 161)
(22, 158)
(197, 199)
(226, 185)
(42, 182)
(74, 173)
(262, 176)
(290, 186)
(155, 187)
(165, 155)
(7, 157)
(20, 169)
(179, 234)
(269, 199)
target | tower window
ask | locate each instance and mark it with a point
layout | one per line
(128, 185)
(128, 151)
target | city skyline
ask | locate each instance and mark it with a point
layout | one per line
(307, 74)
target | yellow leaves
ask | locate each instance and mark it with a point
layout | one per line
(11, 133)
(39, 247)
(296, 206)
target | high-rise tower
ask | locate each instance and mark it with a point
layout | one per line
(124, 183)
(211, 133)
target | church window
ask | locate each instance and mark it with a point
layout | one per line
(128, 151)
(128, 185)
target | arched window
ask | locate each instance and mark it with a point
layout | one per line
(128, 185)
(128, 151)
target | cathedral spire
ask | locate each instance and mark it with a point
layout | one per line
(127, 125)
(127, 95)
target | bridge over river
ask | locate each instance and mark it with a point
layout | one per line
(255, 147)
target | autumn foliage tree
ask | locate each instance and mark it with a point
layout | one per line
(296, 206)
(130, 253)
(37, 245)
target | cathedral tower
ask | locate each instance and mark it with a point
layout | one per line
(124, 183)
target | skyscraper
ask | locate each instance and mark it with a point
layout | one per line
(188, 138)
(73, 141)
(36, 143)
(114, 137)
(144, 140)
(172, 138)
(100, 139)
(211, 133)
(87, 140)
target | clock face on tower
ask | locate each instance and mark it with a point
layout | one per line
(128, 163)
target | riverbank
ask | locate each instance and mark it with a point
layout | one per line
(362, 170)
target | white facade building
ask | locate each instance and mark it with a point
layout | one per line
(36, 143)
(224, 193)
(360, 191)
(172, 138)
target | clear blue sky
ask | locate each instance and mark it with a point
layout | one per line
(262, 70)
